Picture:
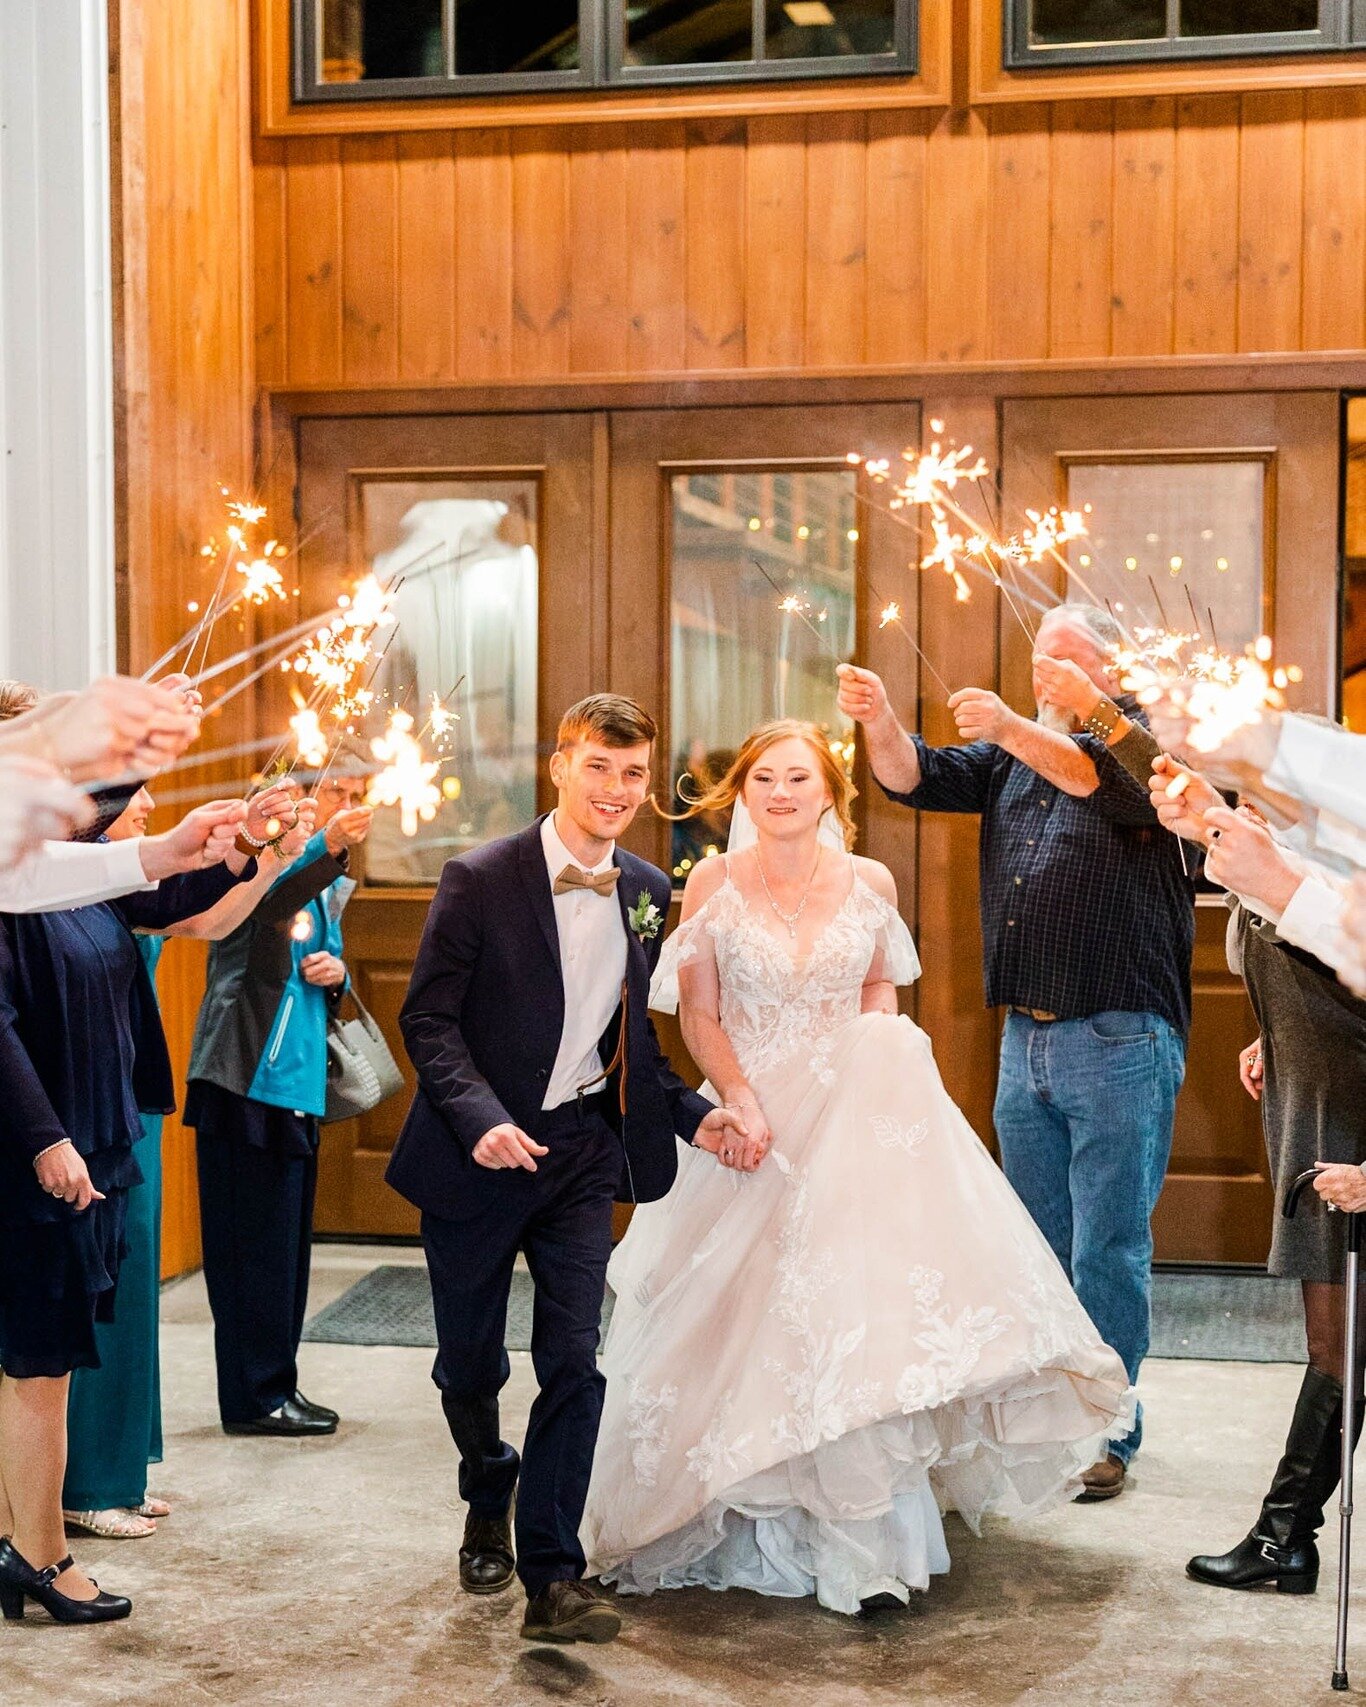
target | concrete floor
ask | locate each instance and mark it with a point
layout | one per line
(325, 1573)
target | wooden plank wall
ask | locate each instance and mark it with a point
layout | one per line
(181, 103)
(1163, 226)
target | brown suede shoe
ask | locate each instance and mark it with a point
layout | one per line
(1103, 1481)
(569, 1611)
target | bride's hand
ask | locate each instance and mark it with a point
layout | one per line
(737, 1135)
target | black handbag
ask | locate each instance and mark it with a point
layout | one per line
(361, 1070)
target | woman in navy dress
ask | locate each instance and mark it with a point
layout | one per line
(82, 1055)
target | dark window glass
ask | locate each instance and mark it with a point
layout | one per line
(493, 36)
(364, 40)
(1247, 17)
(682, 32)
(1053, 22)
(822, 29)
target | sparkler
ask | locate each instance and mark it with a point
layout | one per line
(407, 779)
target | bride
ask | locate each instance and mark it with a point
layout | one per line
(831, 1329)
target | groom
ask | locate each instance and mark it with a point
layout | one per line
(542, 1097)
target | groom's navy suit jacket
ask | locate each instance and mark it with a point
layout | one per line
(483, 1018)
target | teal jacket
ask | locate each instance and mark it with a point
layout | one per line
(262, 1030)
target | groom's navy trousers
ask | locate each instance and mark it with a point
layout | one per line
(561, 1217)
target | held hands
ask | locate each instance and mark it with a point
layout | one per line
(324, 970)
(507, 1146)
(348, 829)
(981, 715)
(62, 1173)
(1250, 1069)
(737, 1136)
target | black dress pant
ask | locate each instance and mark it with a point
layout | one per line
(256, 1215)
(561, 1217)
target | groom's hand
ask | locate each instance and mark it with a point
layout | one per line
(739, 1141)
(507, 1146)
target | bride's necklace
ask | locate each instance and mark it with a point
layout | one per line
(789, 919)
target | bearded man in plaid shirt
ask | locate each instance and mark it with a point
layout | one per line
(1087, 930)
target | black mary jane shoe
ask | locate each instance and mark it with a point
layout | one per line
(291, 1420)
(20, 1582)
(324, 1413)
(1258, 1562)
(487, 1560)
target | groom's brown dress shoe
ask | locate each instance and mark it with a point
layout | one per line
(1103, 1481)
(487, 1561)
(569, 1612)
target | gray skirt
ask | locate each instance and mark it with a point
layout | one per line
(1313, 1089)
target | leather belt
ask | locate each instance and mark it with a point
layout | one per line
(1037, 1014)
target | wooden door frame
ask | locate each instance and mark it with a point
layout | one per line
(559, 451)
(975, 404)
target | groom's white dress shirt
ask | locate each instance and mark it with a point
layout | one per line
(593, 964)
(73, 874)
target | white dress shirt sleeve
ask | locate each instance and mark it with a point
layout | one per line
(1313, 921)
(73, 874)
(1323, 766)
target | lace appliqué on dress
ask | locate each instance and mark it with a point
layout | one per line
(775, 1007)
(647, 1428)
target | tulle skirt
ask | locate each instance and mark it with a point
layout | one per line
(808, 1362)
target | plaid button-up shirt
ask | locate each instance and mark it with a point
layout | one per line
(1085, 906)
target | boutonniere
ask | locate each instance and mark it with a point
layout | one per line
(645, 918)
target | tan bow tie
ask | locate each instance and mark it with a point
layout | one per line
(574, 877)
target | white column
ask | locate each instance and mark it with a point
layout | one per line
(56, 344)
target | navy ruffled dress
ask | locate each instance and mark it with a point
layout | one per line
(82, 1056)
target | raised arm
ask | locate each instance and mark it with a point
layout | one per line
(892, 754)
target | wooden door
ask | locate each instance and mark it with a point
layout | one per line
(497, 520)
(736, 456)
(1236, 497)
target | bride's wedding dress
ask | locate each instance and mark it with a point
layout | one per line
(807, 1361)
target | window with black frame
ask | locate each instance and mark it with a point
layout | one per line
(386, 49)
(1089, 32)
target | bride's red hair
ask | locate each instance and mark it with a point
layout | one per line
(722, 795)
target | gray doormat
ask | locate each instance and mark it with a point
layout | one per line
(1214, 1315)
(393, 1306)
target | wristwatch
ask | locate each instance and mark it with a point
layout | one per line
(1103, 719)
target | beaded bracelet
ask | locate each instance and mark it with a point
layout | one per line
(51, 1147)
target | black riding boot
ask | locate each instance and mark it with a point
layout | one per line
(1281, 1547)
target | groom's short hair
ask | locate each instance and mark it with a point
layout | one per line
(607, 717)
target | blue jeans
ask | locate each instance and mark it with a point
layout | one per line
(1083, 1116)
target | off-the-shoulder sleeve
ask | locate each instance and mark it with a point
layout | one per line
(896, 945)
(688, 944)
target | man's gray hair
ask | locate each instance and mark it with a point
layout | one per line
(1098, 623)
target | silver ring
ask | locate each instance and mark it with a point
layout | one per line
(56, 1192)
(1332, 1208)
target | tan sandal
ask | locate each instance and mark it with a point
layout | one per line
(152, 1506)
(115, 1524)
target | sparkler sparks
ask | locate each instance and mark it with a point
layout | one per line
(1218, 694)
(261, 581)
(407, 779)
(309, 739)
(890, 613)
